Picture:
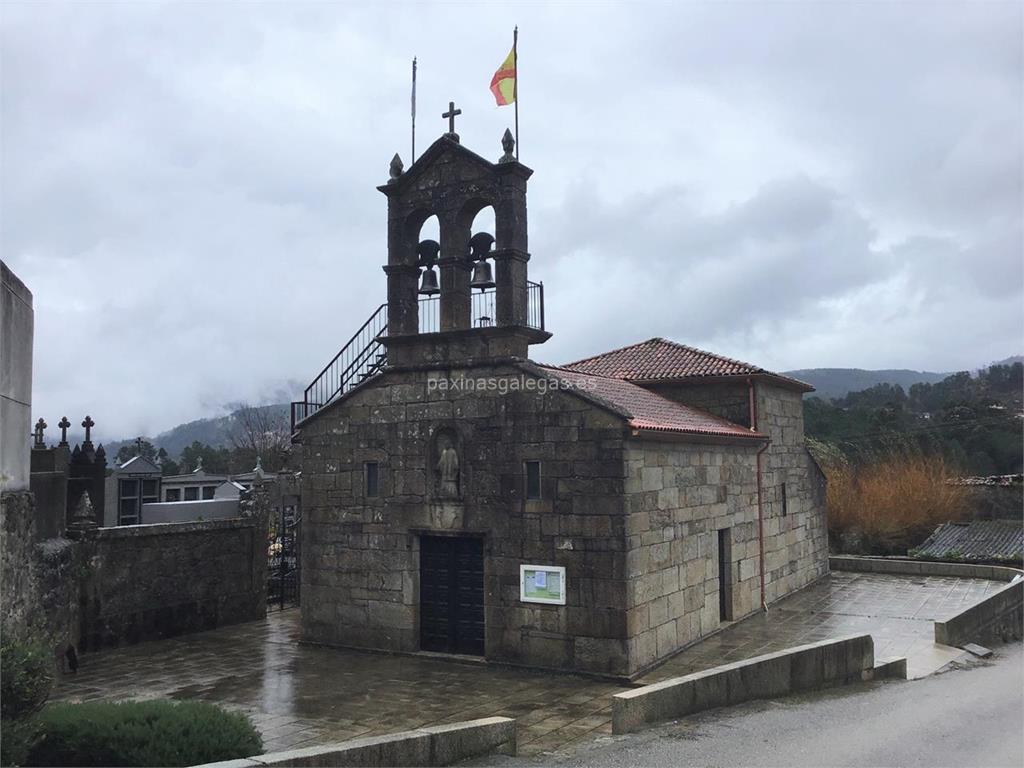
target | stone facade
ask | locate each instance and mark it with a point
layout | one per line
(642, 485)
(360, 555)
(679, 496)
(795, 538)
(795, 532)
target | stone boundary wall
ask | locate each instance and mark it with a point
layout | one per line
(910, 567)
(19, 590)
(434, 746)
(145, 582)
(817, 665)
(999, 616)
(189, 511)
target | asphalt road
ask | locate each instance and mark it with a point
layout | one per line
(972, 716)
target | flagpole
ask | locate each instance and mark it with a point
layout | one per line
(413, 110)
(515, 82)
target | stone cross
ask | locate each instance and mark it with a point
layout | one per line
(88, 423)
(37, 433)
(64, 424)
(450, 114)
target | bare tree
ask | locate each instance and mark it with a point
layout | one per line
(262, 431)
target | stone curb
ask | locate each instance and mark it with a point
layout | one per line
(802, 668)
(434, 746)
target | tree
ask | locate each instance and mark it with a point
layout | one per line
(168, 465)
(262, 432)
(138, 447)
(214, 460)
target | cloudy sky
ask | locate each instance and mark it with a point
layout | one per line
(188, 188)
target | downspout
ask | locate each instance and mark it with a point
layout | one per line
(752, 391)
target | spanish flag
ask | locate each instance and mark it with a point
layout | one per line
(503, 84)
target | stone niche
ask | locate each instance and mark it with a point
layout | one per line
(447, 468)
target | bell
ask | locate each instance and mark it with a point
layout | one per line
(428, 286)
(482, 277)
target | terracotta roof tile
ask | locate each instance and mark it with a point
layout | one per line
(647, 410)
(658, 358)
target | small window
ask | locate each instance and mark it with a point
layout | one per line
(129, 488)
(533, 480)
(721, 494)
(128, 504)
(785, 502)
(372, 478)
(172, 494)
(192, 494)
(150, 492)
(208, 491)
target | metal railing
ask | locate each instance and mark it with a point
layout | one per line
(360, 358)
(364, 355)
(535, 305)
(483, 309)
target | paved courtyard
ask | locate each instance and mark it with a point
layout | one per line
(303, 695)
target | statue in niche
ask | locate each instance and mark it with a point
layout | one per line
(448, 468)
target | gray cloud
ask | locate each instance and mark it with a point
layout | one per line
(189, 188)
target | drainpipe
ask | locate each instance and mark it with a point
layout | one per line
(752, 392)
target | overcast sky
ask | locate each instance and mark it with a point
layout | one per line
(189, 188)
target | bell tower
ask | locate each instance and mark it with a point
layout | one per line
(482, 305)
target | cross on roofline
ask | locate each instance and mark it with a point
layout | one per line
(450, 115)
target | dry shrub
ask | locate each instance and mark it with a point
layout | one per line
(891, 505)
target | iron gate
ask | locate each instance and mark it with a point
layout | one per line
(283, 557)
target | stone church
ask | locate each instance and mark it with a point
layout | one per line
(595, 517)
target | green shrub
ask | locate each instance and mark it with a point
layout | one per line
(16, 739)
(26, 677)
(143, 733)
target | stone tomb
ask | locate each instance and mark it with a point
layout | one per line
(596, 517)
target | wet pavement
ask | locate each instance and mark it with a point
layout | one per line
(897, 611)
(299, 695)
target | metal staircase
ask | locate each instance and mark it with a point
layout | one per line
(362, 357)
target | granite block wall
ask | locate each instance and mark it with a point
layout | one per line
(679, 495)
(795, 528)
(151, 581)
(796, 542)
(19, 589)
(360, 554)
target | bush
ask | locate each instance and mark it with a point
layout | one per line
(143, 733)
(891, 505)
(26, 677)
(16, 739)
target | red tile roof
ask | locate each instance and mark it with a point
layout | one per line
(646, 410)
(661, 359)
